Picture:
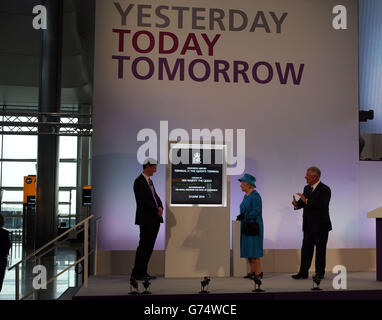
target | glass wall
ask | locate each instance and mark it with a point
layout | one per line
(18, 158)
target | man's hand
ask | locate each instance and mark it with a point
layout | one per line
(302, 197)
(160, 211)
(294, 202)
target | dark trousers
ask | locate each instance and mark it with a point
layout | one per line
(3, 266)
(147, 237)
(311, 240)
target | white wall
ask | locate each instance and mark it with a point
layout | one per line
(289, 127)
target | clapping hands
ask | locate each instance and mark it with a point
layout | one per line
(303, 198)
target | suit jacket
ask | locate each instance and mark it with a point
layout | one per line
(316, 212)
(146, 207)
(5, 243)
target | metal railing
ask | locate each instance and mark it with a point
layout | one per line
(45, 123)
(85, 258)
(17, 242)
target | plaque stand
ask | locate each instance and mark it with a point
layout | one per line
(377, 214)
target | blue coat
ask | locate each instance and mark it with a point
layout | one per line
(252, 246)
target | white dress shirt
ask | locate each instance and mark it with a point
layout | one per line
(146, 177)
(315, 185)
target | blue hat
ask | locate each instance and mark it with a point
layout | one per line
(249, 179)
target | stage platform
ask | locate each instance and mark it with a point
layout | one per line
(277, 286)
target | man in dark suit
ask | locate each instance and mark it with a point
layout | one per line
(5, 245)
(316, 223)
(148, 217)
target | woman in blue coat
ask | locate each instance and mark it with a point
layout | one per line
(251, 247)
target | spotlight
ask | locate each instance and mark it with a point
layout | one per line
(133, 284)
(204, 283)
(257, 283)
(146, 285)
(316, 280)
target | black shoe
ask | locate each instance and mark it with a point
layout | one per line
(300, 276)
(249, 276)
(260, 275)
(147, 276)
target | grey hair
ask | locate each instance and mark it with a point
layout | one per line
(149, 162)
(315, 171)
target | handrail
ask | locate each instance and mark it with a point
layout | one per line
(52, 241)
(58, 274)
(85, 258)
